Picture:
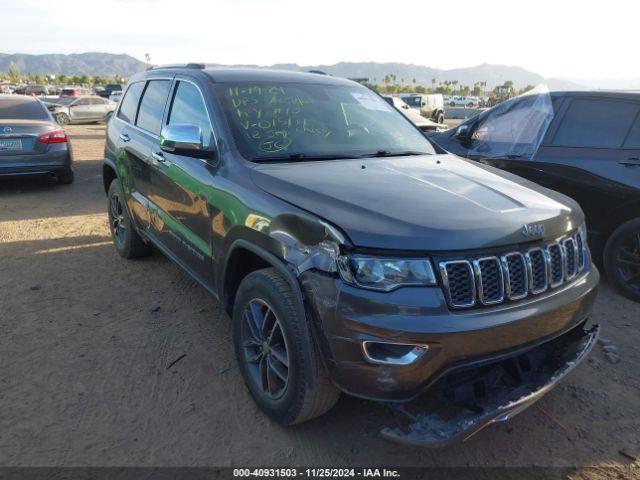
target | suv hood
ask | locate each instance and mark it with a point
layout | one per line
(427, 202)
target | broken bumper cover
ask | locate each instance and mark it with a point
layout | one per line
(547, 365)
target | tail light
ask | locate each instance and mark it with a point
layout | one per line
(57, 136)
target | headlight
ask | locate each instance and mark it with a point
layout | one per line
(385, 274)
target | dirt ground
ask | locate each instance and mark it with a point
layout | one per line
(88, 343)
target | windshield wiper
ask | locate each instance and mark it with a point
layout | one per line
(302, 156)
(387, 153)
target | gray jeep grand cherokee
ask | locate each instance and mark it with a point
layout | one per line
(352, 254)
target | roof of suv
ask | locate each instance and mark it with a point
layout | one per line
(237, 74)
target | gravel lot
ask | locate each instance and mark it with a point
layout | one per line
(88, 344)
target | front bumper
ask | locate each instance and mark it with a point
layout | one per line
(506, 389)
(344, 317)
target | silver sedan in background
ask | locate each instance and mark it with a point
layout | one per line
(84, 109)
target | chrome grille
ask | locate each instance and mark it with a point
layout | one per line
(570, 258)
(555, 258)
(581, 251)
(489, 280)
(459, 283)
(537, 268)
(513, 276)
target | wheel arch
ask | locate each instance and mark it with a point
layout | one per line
(244, 257)
(109, 174)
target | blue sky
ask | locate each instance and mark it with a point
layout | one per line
(584, 39)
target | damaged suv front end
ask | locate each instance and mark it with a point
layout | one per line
(455, 341)
(458, 314)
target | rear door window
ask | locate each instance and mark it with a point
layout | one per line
(188, 107)
(152, 106)
(129, 104)
(595, 123)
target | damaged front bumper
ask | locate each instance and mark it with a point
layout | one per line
(463, 402)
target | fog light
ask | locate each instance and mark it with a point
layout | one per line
(386, 353)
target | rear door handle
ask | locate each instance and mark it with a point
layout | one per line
(125, 137)
(160, 158)
(630, 162)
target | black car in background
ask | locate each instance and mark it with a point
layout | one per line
(583, 144)
(350, 253)
(109, 88)
(31, 142)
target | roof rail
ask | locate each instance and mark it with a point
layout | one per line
(319, 72)
(197, 66)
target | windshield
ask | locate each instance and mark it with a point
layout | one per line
(298, 121)
(413, 101)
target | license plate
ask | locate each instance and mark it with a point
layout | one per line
(10, 144)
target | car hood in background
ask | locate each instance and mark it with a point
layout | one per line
(427, 202)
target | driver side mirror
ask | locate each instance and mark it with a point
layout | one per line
(462, 134)
(182, 139)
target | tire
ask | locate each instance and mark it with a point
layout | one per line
(66, 177)
(126, 239)
(62, 119)
(622, 259)
(440, 118)
(452, 104)
(265, 298)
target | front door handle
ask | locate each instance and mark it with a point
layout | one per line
(158, 156)
(630, 162)
(125, 137)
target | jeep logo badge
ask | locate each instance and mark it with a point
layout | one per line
(533, 230)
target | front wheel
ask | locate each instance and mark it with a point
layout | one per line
(62, 119)
(622, 259)
(126, 239)
(276, 353)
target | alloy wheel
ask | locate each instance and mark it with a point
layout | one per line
(265, 348)
(627, 261)
(116, 219)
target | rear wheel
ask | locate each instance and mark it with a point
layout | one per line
(622, 259)
(276, 353)
(126, 239)
(62, 119)
(66, 177)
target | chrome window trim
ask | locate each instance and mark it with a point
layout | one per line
(478, 276)
(504, 259)
(179, 79)
(442, 266)
(547, 252)
(527, 256)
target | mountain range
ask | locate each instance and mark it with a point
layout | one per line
(108, 64)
